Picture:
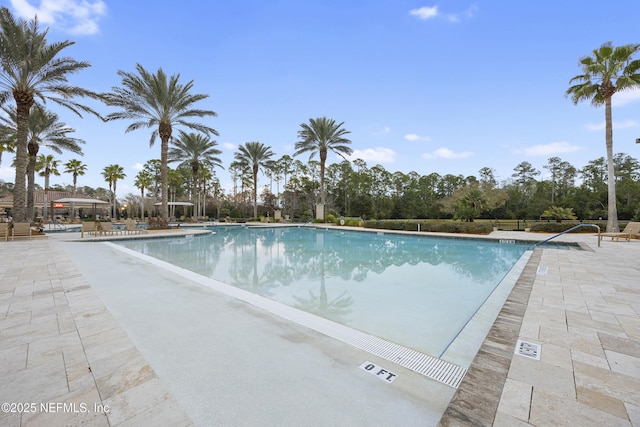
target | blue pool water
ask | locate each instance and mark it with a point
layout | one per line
(416, 291)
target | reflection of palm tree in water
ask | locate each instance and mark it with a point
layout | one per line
(245, 270)
(320, 304)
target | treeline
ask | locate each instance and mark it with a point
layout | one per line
(353, 189)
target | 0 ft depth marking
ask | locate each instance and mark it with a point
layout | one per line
(378, 371)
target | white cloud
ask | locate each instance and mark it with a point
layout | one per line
(616, 125)
(625, 97)
(425, 12)
(74, 16)
(549, 149)
(415, 137)
(428, 12)
(374, 155)
(230, 145)
(138, 166)
(445, 153)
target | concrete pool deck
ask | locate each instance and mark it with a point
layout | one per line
(134, 345)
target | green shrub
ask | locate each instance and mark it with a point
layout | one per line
(432, 226)
(560, 227)
(352, 222)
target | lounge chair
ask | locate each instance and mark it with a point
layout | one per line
(131, 228)
(631, 230)
(21, 229)
(89, 228)
(4, 230)
(107, 228)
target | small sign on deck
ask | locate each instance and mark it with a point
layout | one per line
(379, 372)
(528, 349)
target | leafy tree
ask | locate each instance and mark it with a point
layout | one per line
(610, 70)
(320, 136)
(155, 101)
(255, 155)
(32, 69)
(152, 167)
(627, 182)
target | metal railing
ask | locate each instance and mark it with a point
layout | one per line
(571, 229)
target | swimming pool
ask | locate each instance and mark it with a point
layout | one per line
(415, 291)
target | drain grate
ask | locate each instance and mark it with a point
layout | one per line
(528, 349)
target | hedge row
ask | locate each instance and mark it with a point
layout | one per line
(559, 227)
(432, 226)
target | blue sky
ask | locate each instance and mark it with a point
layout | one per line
(446, 87)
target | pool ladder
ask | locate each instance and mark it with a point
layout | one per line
(571, 229)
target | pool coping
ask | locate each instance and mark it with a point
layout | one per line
(476, 400)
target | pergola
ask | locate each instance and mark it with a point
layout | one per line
(79, 202)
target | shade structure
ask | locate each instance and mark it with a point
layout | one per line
(80, 202)
(175, 204)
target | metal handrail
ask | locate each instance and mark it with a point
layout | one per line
(571, 229)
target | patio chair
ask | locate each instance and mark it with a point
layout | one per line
(4, 230)
(21, 229)
(631, 230)
(89, 228)
(107, 228)
(131, 228)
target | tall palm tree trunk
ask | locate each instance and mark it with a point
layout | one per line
(612, 211)
(255, 192)
(164, 177)
(32, 150)
(23, 106)
(142, 204)
(115, 207)
(46, 195)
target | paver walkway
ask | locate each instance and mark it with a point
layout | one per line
(61, 347)
(583, 309)
(64, 360)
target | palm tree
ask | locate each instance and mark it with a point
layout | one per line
(46, 166)
(322, 135)
(152, 100)
(7, 141)
(111, 174)
(46, 130)
(610, 70)
(193, 150)
(255, 155)
(205, 176)
(76, 168)
(174, 180)
(143, 180)
(30, 71)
